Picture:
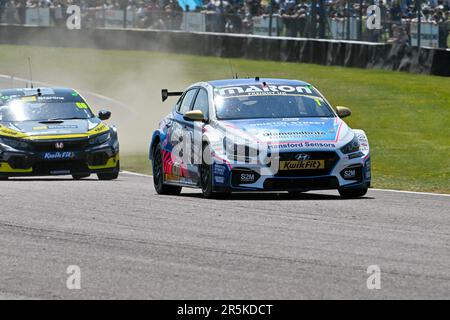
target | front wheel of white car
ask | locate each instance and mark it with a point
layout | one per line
(206, 176)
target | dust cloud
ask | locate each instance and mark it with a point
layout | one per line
(133, 88)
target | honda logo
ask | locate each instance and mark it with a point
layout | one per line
(302, 156)
(59, 145)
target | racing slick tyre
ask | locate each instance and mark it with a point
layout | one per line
(110, 175)
(206, 176)
(353, 193)
(80, 176)
(158, 175)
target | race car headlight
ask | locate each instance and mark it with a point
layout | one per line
(14, 143)
(352, 146)
(101, 138)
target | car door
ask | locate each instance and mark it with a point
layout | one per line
(201, 103)
(181, 138)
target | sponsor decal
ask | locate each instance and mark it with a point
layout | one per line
(364, 143)
(352, 173)
(289, 122)
(247, 177)
(219, 179)
(264, 90)
(46, 98)
(297, 145)
(40, 128)
(171, 177)
(81, 105)
(29, 99)
(62, 127)
(349, 173)
(58, 155)
(219, 170)
(99, 128)
(302, 165)
(294, 134)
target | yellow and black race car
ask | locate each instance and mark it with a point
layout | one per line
(53, 131)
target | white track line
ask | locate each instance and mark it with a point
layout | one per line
(414, 192)
(136, 174)
(371, 189)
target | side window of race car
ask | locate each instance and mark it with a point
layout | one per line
(202, 103)
(187, 101)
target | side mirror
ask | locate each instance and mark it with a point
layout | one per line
(194, 115)
(104, 115)
(343, 112)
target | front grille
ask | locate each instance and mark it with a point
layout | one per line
(69, 145)
(54, 166)
(301, 184)
(18, 162)
(330, 157)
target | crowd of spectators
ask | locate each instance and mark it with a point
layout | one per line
(293, 18)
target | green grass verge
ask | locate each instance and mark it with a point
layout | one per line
(406, 116)
(136, 163)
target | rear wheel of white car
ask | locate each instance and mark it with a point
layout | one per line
(158, 175)
(353, 193)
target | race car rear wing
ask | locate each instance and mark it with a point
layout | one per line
(165, 94)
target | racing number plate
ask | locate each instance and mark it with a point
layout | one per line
(302, 165)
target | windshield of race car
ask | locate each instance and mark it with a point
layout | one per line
(34, 109)
(249, 103)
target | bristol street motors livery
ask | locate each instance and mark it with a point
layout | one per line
(258, 135)
(52, 131)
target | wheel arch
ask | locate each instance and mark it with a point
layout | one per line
(155, 140)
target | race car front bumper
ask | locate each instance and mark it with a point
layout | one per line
(341, 172)
(45, 161)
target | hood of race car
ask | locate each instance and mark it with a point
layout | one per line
(50, 128)
(300, 132)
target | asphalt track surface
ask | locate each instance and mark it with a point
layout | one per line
(131, 243)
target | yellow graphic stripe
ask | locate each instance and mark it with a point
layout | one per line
(101, 128)
(11, 133)
(112, 163)
(5, 167)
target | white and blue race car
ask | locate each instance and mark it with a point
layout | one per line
(243, 135)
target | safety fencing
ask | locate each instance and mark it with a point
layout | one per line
(351, 28)
(325, 52)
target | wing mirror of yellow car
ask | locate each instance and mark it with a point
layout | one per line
(104, 115)
(343, 112)
(194, 115)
